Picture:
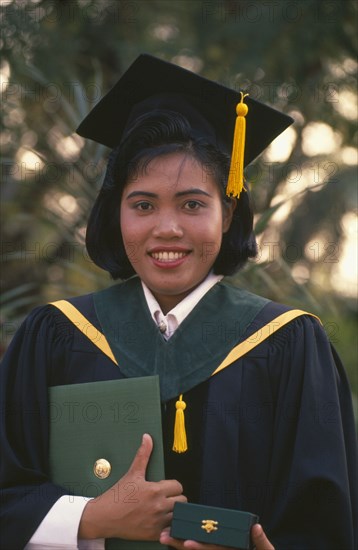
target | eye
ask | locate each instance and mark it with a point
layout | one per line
(143, 206)
(192, 205)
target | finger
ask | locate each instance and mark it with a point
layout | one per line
(141, 459)
(179, 498)
(178, 544)
(171, 487)
(259, 538)
(170, 502)
(193, 545)
(167, 540)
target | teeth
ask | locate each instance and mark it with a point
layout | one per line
(168, 256)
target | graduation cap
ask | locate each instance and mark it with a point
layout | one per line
(227, 118)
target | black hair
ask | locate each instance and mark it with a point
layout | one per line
(152, 135)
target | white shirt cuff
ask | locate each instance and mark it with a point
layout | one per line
(59, 528)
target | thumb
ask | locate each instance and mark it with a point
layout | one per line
(141, 459)
(259, 538)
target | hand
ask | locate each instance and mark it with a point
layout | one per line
(133, 509)
(166, 539)
(258, 536)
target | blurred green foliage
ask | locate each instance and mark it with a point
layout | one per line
(59, 57)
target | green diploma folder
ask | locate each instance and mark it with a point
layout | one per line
(96, 429)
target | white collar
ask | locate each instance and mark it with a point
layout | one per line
(170, 322)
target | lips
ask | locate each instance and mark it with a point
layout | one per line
(168, 255)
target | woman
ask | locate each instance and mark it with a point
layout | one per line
(272, 432)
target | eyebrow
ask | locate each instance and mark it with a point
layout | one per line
(191, 191)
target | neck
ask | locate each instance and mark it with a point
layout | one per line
(167, 303)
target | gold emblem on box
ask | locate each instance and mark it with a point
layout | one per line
(209, 525)
(102, 468)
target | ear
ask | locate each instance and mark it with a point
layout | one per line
(228, 212)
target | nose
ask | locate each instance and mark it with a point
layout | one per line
(167, 227)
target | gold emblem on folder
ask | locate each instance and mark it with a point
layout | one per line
(209, 525)
(102, 468)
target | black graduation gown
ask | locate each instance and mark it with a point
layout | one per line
(272, 434)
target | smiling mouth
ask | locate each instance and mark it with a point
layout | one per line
(170, 256)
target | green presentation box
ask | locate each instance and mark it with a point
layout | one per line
(212, 525)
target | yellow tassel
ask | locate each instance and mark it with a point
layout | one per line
(180, 443)
(235, 182)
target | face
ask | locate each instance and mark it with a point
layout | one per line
(172, 222)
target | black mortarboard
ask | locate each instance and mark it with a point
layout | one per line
(151, 83)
